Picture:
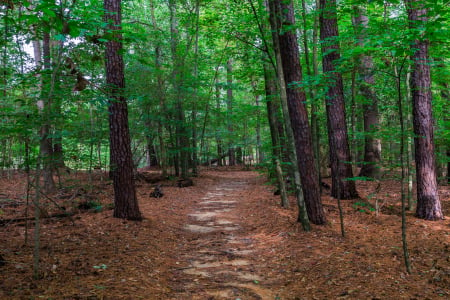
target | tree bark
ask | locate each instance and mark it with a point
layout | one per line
(315, 128)
(44, 105)
(428, 203)
(272, 109)
(126, 205)
(161, 96)
(288, 48)
(219, 142)
(259, 152)
(340, 159)
(231, 150)
(372, 145)
(181, 135)
(195, 160)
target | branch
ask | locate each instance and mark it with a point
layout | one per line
(251, 44)
(82, 82)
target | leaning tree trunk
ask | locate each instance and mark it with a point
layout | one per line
(428, 203)
(125, 201)
(341, 168)
(372, 145)
(291, 68)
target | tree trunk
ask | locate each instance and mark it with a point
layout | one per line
(445, 93)
(126, 205)
(272, 110)
(219, 141)
(409, 152)
(372, 145)
(181, 135)
(161, 96)
(428, 203)
(296, 99)
(315, 128)
(44, 105)
(151, 159)
(231, 150)
(341, 169)
(448, 165)
(259, 152)
(195, 162)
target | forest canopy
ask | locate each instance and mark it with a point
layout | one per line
(204, 82)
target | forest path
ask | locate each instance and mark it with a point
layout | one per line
(218, 261)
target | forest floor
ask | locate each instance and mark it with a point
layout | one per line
(226, 237)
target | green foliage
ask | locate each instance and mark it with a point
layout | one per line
(363, 207)
(91, 205)
(227, 30)
(100, 267)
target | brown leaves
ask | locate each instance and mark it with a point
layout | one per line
(82, 82)
(146, 258)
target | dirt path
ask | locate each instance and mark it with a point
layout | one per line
(219, 262)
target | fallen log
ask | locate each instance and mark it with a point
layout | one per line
(184, 182)
(214, 160)
(4, 222)
(149, 178)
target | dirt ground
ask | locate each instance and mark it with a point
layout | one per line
(226, 237)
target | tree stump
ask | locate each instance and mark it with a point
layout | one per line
(184, 182)
(157, 192)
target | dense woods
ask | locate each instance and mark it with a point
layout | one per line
(302, 91)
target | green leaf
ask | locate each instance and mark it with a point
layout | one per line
(60, 37)
(102, 266)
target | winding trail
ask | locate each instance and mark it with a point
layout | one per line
(219, 261)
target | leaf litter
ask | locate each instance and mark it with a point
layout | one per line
(249, 247)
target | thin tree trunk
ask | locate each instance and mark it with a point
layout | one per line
(121, 169)
(428, 203)
(161, 96)
(445, 93)
(259, 153)
(409, 153)
(218, 119)
(353, 122)
(372, 145)
(37, 223)
(36, 200)
(231, 150)
(403, 174)
(195, 161)
(271, 92)
(46, 148)
(341, 169)
(448, 164)
(312, 92)
(315, 128)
